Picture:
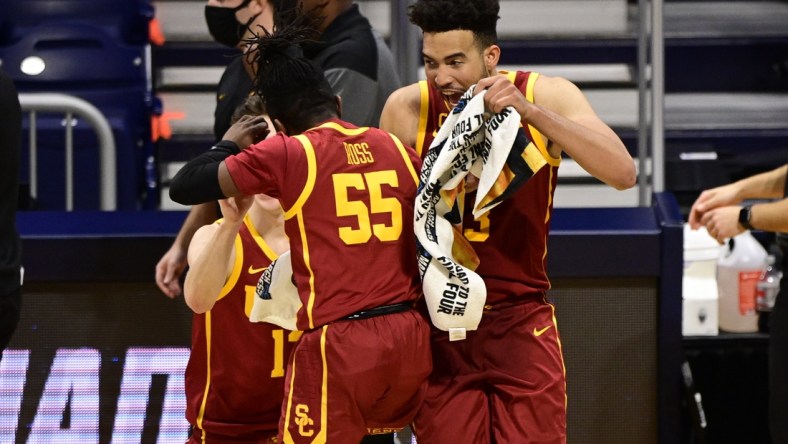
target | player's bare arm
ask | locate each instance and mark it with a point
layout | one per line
(400, 115)
(207, 274)
(567, 119)
(212, 255)
(564, 116)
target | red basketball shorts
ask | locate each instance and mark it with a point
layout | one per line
(354, 377)
(505, 383)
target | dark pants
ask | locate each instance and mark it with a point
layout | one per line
(9, 316)
(778, 363)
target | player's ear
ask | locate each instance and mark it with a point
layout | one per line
(492, 54)
(339, 106)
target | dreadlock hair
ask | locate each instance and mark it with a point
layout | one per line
(294, 89)
(477, 16)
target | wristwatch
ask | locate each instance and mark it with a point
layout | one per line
(744, 217)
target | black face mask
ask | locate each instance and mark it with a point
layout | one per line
(223, 26)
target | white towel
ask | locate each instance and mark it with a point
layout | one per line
(498, 152)
(277, 300)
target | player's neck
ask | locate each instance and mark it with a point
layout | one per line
(270, 224)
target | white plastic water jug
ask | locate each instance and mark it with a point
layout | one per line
(701, 253)
(700, 306)
(738, 272)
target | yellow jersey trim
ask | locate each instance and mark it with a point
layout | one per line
(201, 413)
(305, 246)
(539, 139)
(406, 158)
(286, 437)
(561, 351)
(553, 169)
(310, 177)
(322, 437)
(258, 238)
(237, 267)
(346, 131)
(424, 108)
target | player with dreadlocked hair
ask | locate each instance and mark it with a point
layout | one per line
(348, 195)
(294, 89)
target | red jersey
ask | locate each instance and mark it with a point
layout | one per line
(348, 195)
(510, 240)
(235, 375)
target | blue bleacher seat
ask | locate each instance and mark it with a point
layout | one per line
(84, 60)
(123, 20)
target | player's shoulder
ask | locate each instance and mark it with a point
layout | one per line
(553, 84)
(549, 89)
(408, 97)
(401, 113)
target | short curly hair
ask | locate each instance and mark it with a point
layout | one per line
(252, 106)
(477, 16)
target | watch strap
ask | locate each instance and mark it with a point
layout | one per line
(744, 217)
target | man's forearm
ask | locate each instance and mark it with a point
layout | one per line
(768, 185)
(771, 216)
(198, 181)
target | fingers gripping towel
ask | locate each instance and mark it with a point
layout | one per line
(277, 300)
(498, 152)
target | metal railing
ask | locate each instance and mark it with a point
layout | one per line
(651, 98)
(70, 106)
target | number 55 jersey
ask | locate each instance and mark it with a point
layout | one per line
(348, 196)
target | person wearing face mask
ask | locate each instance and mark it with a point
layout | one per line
(356, 61)
(231, 26)
(352, 56)
(362, 336)
(229, 22)
(223, 23)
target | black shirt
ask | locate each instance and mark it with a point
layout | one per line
(355, 60)
(234, 87)
(358, 65)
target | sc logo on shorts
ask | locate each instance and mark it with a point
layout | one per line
(303, 420)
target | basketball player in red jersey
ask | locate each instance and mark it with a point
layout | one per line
(235, 375)
(506, 382)
(348, 196)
